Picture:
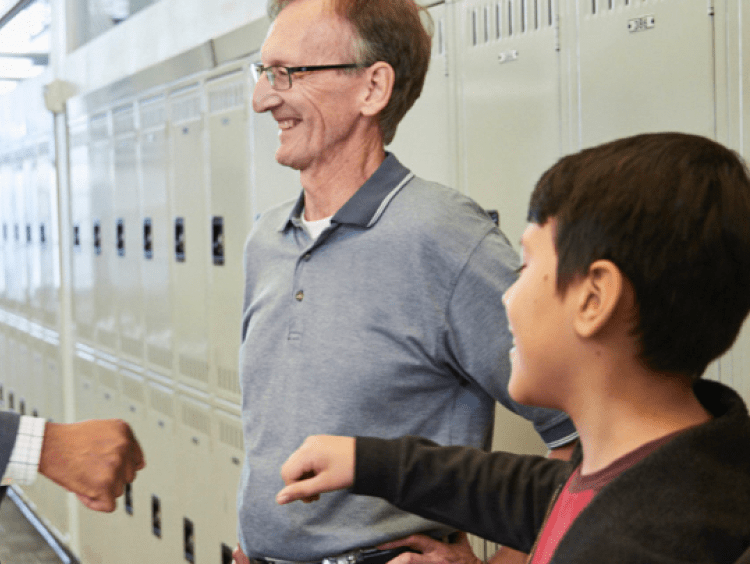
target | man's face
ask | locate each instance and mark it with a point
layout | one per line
(540, 320)
(317, 115)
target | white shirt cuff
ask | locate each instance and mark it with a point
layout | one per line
(24, 459)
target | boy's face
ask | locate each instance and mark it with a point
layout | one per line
(541, 323)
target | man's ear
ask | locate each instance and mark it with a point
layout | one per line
(378, 89)
(597, 297)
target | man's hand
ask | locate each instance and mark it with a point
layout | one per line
(93, 459)
(239, 557)
(323, 463)
(431, 551)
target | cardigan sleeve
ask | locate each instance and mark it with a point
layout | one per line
(499, 496)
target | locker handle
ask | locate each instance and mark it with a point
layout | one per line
(217, 225)
(121, 237)
(148, 247)
(97, 238)
(179, 239)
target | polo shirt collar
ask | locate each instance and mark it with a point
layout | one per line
(367, 203)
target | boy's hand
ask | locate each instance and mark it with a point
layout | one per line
(431, 551)
(93, 459)
(323, 463)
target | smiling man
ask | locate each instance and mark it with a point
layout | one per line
(372, 302)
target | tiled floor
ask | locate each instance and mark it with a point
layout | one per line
(20, 543)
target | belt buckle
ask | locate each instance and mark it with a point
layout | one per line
(347, 558)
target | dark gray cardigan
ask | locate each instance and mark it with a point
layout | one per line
(687, 502)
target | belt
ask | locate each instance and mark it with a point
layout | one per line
(360, 556)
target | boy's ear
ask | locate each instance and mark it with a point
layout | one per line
(379, 87)
(598, 295)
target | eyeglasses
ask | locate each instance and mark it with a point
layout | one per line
(280, 78)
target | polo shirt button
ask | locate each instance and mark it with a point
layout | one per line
(299, 295)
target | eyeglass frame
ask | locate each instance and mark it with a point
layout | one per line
(258, 70)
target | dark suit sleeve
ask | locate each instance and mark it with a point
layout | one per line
(498, 496)
(8, 430)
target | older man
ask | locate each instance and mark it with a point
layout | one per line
(372, 303)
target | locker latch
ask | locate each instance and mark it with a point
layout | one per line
(217, 245)
(121, 237)
(148, 243)
(179, 239)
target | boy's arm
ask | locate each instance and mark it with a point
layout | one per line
(498, 496)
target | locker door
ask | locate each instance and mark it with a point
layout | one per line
(509, 68)
(128, 235)
(645, 67)
(84, 257)
(156, 250)
(162, 538)
(46, 232)
(199, 496)
(190, 227)
(19, 276)
(230, 223)
(227, 468)
(5, 239)
(103, 232)
(31, 236)
(425, 139)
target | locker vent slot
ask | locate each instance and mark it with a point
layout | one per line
(227, 98)
(194, 368)
(186, 108)
(106, 338)
(229, 380)
(153, 114)
(123, 119)
(231, 435)
(160, 356)
(196, 418)
(133, 389)
(108, 378)
(162, 402)
(133, 347)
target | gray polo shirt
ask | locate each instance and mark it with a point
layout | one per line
(390, 323)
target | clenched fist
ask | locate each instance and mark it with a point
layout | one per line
(93, 459)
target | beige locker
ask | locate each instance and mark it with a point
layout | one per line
(128, 236)
(425, 141)
(157, 484)
(231, 219)
(103, 231)
(644, 66)
(509, 81)
(198, 489)
(191, 236)
(86, 234)
(156, 253)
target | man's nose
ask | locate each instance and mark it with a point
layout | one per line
(264, 96)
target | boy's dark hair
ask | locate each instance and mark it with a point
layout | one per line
(672, 212)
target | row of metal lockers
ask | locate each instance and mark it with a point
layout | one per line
(164, 172)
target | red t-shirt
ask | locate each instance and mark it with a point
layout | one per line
(579, 491)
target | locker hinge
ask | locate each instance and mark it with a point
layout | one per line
(557, 33)
(710, 6)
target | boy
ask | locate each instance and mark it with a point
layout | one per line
(636, 275)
